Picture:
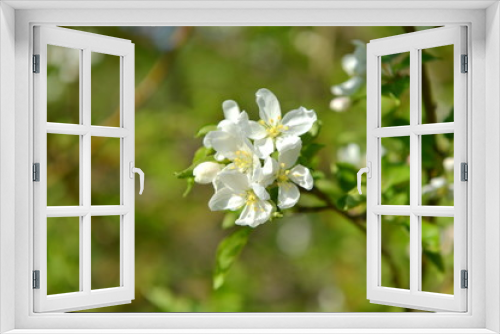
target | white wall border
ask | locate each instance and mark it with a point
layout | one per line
(7, 166)
(474, 319)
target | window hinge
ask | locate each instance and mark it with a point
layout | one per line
(465, 279)
(464, 172)
(465, 64)
(36, 279)
(36, 63)
(36, 172)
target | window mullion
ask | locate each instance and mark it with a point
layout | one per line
(85, 161)
(414, 173)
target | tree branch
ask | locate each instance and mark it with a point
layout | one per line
(358, 220)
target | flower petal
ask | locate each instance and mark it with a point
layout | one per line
(299, 121)
(260, 191)
(288, 195)
(231, 110)
(257, 131)
(255, 214)
(269, 171)
(301, 176)
(223, 142)
(348, 87)
(226, 199)
(289, 151)
(234, 180)
(264, 147)
(269, 107)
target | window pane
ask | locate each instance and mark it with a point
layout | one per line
(437, 84)
(63, 85)
(395, 245)
(395, 90)
(105, 89)
(63, 255)
(437, 169)
(63, 170)
(437, 254)
(105, 171)
(395, 170)
(105, 258)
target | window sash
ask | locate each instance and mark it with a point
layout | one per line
(414, 298)
(86, 43)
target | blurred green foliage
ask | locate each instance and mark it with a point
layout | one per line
(309, 262)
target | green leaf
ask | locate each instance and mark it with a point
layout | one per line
(396, 86)
(426, 56)
(308, 152)
(346, 175)
(435, 258)
(228, 252)
(201, 155)
(312, 134)
(229, 219)
(204, 130)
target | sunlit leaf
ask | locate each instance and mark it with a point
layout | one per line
(228, 252)
(206, 129)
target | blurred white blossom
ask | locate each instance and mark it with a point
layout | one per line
(354, 64)
(340, 103)
(294, 237)
(448, 164)
(350, 153)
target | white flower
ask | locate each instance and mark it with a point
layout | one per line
(206, 172)
(233, 127)
(354, 65)
(242, 191)
(272, 128)
(340, 104)
(287, 174)
(350, 153)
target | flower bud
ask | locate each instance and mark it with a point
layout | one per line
(206, 172)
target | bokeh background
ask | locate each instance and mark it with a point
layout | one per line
(305, 262)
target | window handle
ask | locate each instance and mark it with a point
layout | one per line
(368, 171)
(141, 175)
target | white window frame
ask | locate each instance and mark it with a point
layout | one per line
(16, 216)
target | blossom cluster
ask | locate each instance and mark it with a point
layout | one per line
(253, 157)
